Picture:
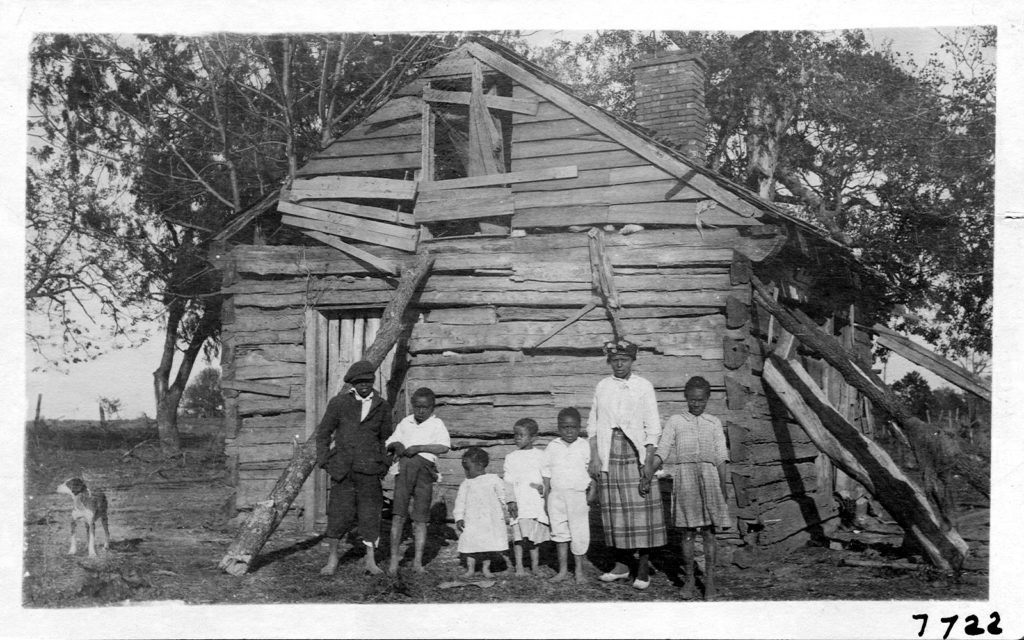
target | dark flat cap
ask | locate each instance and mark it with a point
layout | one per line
(361, 370)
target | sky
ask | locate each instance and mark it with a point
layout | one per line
(73, 392)
(129, 372)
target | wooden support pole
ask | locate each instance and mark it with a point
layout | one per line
(603, 280)
(267, 514)
(933, 362)
(39, 409)
(865, 461)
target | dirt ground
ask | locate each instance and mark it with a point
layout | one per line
(168, 531)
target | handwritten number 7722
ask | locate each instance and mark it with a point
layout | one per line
(971, 627)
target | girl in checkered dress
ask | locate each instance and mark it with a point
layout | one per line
(693, 447)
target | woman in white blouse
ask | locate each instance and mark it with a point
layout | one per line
(623, 428)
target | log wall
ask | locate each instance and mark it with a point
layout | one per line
(683, 283)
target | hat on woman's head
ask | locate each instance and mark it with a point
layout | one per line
(621, 347)
(361, 370)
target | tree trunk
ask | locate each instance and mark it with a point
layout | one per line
(267, 514)
(167, 422)
(866, 462)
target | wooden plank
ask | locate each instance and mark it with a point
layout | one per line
(933, 362)
(395, 109)
(466, 315)
(534, 297)
(551, 130)
(535, 175)
(355, 252)
(610, 127)
(463, 206)
(303, 260)
(562, 147)
(354, 187)
(270, 370)
(312, 285)
(313, 351)
(740, 270)
(450, 195)
(582, 334)
(378, 146)
(363, 211)
(675, 213)
(428, 129)
(548, 278)
(409, 126)
(335, 330)
(582, 161)
(657, 191)
(450, 66)
(405, 234)
(329, 166)
(261, 388)
(515, 105)
(348, 231)
(546, 110)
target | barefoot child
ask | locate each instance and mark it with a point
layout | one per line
(693, 445)
(480, 512)
(522, 471)
(566, 485)
(417, 441)
(350, 447)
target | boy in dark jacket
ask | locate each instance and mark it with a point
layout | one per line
(358, 420)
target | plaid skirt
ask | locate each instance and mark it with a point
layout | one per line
(629, 520)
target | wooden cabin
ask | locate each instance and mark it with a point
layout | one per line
(525, 194)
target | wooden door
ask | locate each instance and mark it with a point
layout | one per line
(334, 341)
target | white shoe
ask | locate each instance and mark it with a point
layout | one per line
(640, 585)
(612, 577)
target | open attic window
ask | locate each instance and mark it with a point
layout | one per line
(467, 139)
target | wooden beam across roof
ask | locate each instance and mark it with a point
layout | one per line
(515, 105)
(363, 256)
(386, 235)
(933, 362)
(613, 129)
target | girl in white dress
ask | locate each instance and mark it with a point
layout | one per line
(480, 515)
(522, 471)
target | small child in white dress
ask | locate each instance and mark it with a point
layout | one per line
(480, 516)
(522, 471)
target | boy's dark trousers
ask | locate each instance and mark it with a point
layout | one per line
(355, 499)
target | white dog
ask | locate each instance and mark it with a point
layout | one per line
(90, 506)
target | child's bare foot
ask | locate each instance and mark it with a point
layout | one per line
(559, 577)
(330, 567)
(418, 568)
(371, 564)
(469, 574)
(581, 578)
(486, 573)
(522, 571)
(393, 567)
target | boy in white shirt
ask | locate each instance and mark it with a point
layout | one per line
(417, 441)
(566, 487)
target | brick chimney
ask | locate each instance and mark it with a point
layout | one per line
(669, 90)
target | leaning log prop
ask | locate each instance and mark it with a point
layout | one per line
(867, 382)
(267, 514)
(865, 462)
(936, 458)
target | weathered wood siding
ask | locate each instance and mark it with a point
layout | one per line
(683, 282)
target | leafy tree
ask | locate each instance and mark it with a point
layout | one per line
(890, 157)
(916, 394)
(203, 397)
(195, 130)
